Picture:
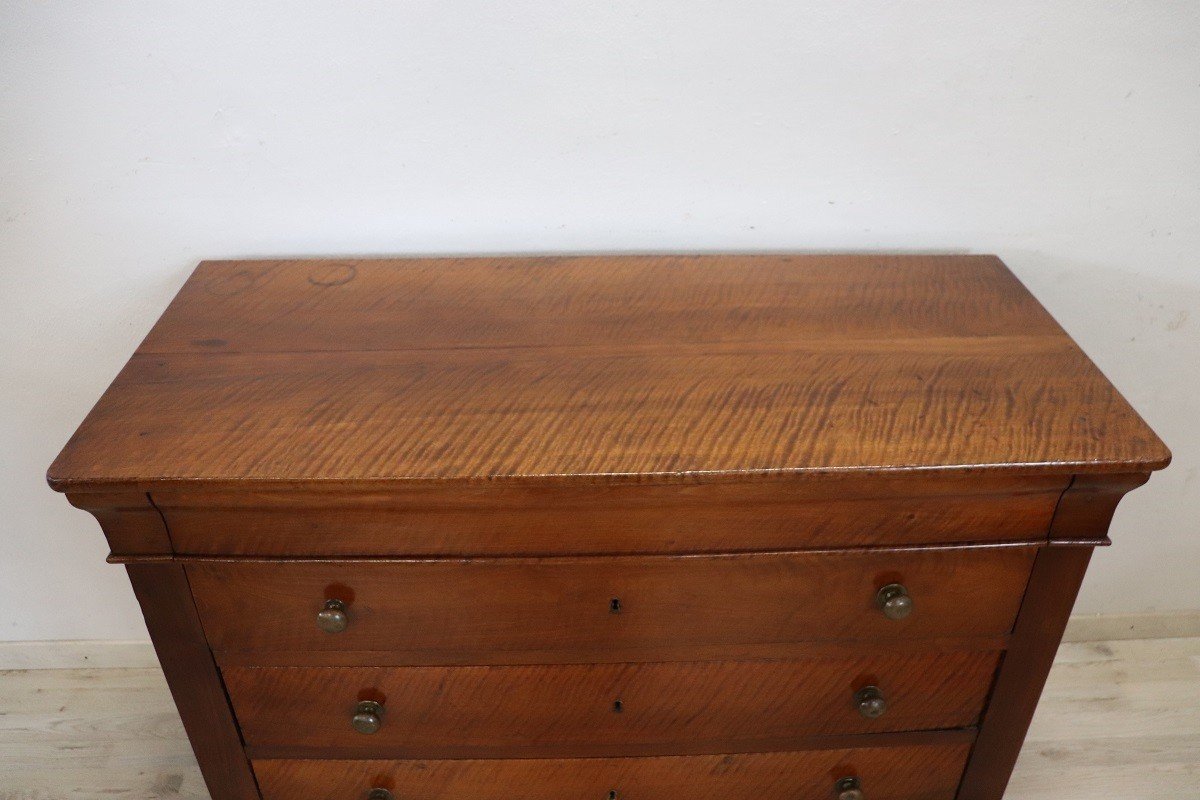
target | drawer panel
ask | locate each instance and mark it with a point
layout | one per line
(604, 608)
(825, 511)
(929, 772)
(603, 709)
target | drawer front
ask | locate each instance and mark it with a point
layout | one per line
(496, 520)
(929, 772)
(604, 709)
(603, 608)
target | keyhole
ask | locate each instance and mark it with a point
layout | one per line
(614, 605)
(612, 794)
(617, 707)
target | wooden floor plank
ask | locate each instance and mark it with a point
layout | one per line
(87, 734)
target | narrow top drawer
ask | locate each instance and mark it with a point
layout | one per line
(499, 520)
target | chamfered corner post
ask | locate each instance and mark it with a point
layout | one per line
(138, 537)
(1080, 524)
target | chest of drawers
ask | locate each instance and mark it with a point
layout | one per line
(620, 528)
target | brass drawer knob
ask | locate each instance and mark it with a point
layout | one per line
(895, 601)
(332, 618)
(849, 789)
(368, 717)
(380, 794)
(870, 702)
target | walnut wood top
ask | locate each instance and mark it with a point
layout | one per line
(656, 368)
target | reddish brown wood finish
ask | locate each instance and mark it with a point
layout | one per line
(563, 605)
(1084, 513)
(1057, 576)
(819, 511)
(599, 301)
(594, 709)
(1087, 508)
(130, 522)
(192, 676)
(770, 651)
(479, 455)
(900, 773)
(620, 370)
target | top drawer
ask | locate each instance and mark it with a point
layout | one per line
(499, 519)
(606, 608)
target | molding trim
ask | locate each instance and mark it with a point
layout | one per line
(109, 654)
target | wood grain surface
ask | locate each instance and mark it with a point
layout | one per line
(474, 608)
(1086, 511)
(615, 369)
(594, 709)
(901, 773)
(753, 651)
(192, 676)
(604, 301)
(498, 519)
(1110, 725)
(131, 523)
(544, 487)
(1053, 586)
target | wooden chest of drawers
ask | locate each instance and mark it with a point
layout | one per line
(620, 528)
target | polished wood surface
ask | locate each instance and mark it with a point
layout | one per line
(1058, 574)
(1085, 512)
(754, 651)
(1110, 724)
(564, 605)
(616, 369)
(196, 687)
(900, 773)
(609, 527)
(604, 301)
(815, 512)
(131, 523)
(603, 708)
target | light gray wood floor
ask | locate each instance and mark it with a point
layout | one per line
(1119, 720)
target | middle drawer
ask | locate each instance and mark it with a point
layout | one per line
(588, 709)
(596, 609)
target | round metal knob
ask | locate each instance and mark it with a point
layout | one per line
(870, 702)
(332, 618)
(368, 717)
(895, 601)
(380, 794)
(849, 789)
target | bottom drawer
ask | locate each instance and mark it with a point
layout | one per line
(924, 772)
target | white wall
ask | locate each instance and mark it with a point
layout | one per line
(139, 138)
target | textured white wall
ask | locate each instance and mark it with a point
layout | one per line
(139, 138)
